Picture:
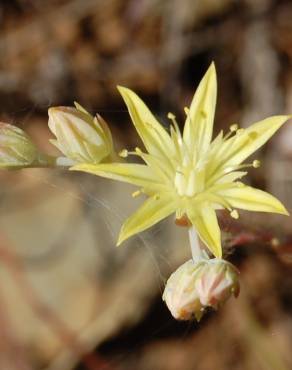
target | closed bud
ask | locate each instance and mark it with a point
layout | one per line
(80, 136)
(194, 286)
(16, 148)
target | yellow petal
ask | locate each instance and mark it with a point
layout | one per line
(258, 134)
(158, 167)
(251, 199)
(204, 219)
(236, 149)
(155, 138)
(70, 143)
(199, 123)
(224, 179)
(105, 130)
(136, 174)
(151, 212)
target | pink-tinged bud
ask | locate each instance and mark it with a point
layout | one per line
(194, 286)
(80, 136)
(16, 148)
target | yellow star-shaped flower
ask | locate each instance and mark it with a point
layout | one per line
(187, 173)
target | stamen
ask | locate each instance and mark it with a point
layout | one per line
(255, 164)
(124, 153)
(191, 156)
(136, 193)
(172, 117)
(233, 129)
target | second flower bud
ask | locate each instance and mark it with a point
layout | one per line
(194, 286)
(80, 136)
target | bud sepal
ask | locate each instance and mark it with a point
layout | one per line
(80, 136)
(16, 148)
(194, 286)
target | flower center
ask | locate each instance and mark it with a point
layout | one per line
(189, 181)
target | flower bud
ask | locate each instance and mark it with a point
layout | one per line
(80, 136)
(194, 286)
(16, 148)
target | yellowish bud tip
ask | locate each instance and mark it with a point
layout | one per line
(123, 153)
(234, 214)
(233, 127)
(256, 163)
(170, 116)
(187, 111)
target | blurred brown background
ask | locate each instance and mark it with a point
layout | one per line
(68, 298)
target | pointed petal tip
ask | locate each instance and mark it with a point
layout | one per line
(212, 69)
(126, 92)
(281, 209)
(212, 65)
(122, 89)
(121, 238)
(285, 212)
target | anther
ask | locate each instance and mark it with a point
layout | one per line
(234, 214)
(233, 127)
(256, 163)
(124, 153)
(187, 111)
(136, 193)
(170, 116)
